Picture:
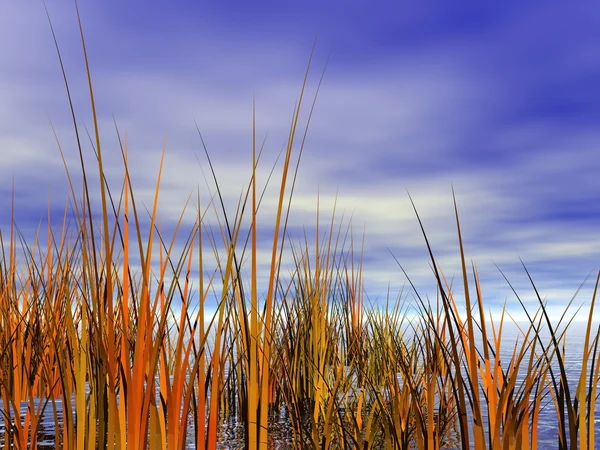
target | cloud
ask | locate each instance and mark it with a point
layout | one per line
(505, 113)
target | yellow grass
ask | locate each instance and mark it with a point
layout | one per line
(135, 360)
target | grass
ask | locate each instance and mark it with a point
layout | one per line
(101, 315)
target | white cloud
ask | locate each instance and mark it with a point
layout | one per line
(397, 123)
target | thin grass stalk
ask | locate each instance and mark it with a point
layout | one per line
(586, 409)
(253, 375)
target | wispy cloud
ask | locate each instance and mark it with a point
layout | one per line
(503, 108)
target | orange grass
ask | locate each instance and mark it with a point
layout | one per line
(107, 317)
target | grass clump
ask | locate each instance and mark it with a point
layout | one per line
(102, 324)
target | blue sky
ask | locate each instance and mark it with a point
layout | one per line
(501, 102)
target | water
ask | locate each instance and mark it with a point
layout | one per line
(231, 431)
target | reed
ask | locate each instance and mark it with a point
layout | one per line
(104, 323)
